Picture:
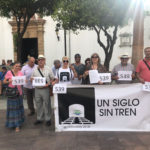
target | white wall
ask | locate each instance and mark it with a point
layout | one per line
(84, 43)
(6, 40)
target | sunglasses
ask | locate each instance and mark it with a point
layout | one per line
(124, 58)
(94, 56)
(65, 61)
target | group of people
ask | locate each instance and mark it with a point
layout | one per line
(64, 73)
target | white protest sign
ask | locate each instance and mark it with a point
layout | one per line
(105, 77)
(18, 80)
(39, 81)
(60, 88)
(125, 75)
(146, 86)
(94, 76)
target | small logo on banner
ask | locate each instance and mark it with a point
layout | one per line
(77, 106)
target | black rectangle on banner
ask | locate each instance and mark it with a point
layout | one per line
(77, 106)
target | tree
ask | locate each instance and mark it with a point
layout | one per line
(98, 15)
(22, 11)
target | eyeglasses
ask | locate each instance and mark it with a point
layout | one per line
(94, 56)
(65, 61)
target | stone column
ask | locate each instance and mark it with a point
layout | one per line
(40, 34)
(138, 33)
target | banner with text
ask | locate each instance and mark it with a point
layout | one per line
(123, 107)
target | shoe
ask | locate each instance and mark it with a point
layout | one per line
(31, 113)
(48, 123)
(37, 122)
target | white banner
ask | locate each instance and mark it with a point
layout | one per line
(123, 107)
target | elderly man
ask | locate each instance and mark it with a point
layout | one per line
(56, 66)
(27, 71)
(42, 93)
(143, 67)
(125, 67)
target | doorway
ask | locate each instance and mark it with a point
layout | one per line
(29, 48)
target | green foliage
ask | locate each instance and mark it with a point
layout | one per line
(22, 11)
(9, 8)
(80, 14)
(98, 15)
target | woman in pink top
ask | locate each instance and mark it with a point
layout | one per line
(15, 109)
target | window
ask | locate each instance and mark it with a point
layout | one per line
(125, 40)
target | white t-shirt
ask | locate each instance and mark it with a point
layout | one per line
(65, 75)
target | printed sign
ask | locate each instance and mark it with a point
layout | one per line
(146, 86)
(105, 77)
(60, 88)
(19, 80)
(94, 76)
(39, 81)
(125, 75)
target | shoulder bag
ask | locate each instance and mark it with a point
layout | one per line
(12, 92)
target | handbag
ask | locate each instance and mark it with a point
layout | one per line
(12, 92)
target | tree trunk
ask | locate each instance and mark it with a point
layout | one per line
(138, 33)
(19, 48)
(107, 61)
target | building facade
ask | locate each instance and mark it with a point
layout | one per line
(41, 38)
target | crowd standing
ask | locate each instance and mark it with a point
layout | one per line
(62, 72)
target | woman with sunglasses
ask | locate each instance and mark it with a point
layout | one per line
(65, 74)
(95, 65)
(15, 109)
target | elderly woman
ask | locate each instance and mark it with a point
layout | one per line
(95, 65)
(15, 109)
(65, 74)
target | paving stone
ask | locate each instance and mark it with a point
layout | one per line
(44, 138)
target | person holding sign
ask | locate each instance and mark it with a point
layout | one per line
(123, 72)
(15, 109)
(29, 89)
(43, 77)
(65, 74)
(92, 70)
(143, 67)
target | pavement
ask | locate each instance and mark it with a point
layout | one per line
(41, 137)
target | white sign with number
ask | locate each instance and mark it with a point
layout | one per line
(146, 86)
(125, 75)
(19, 80)
(39, 81)
(105, 77)
(60, 88)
